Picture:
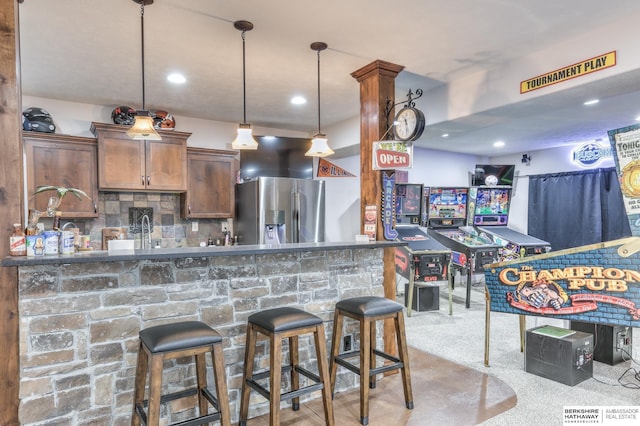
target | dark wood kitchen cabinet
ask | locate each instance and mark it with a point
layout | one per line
(211, 184)
(62, 160)
(125, 164)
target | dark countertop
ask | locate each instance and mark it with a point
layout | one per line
(186, 252)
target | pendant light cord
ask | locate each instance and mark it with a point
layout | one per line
(319, 132)
(142, 50)
(244, 83)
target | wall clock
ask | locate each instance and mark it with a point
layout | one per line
(409, 124)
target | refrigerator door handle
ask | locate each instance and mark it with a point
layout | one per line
(295, 213)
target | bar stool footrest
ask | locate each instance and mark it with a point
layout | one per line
(262, 390)
(206, 392)
(341, 360)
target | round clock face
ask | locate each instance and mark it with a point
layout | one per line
(409, 124)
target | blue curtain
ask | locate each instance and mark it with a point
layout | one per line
(577, 208)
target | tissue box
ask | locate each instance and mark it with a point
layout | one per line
(119, 245)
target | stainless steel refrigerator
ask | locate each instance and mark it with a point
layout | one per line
(275, 210)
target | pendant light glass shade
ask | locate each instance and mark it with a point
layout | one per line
(319, 143)
(244, 140)
(319, 147)
(143, 128)
(143, 125)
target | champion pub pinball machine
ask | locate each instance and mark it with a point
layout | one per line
(470, 250)
(424, 261)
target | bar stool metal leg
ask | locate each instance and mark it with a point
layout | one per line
(141, 378)
(365, 367)
(275, 379)
(404, 359)
(249, 354)
(295, 377)
(323, 371)
(335, 349)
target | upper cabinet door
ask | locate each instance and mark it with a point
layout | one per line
(166, 164)
(121, 164)
(125, 164)
(62, 160)
(211, 185)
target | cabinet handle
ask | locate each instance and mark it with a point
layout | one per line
(189, 208)
(142, 180)
(95, 207)
(148, 180)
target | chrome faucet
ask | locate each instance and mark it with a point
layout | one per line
(145, 218)
(66, 225)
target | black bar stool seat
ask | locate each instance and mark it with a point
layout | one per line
(278, 324)
(367, 310)
(177, 340)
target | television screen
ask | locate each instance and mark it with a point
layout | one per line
(493, 174)
(277, 157)
(492, 206)
(448, 203)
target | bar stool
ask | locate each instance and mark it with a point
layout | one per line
(367, 310)
(170, 341)
(278, 324)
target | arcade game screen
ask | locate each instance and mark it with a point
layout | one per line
(408, 199)
(450, 203)
(408, 203)
(492, 203)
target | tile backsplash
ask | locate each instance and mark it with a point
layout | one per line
(169, 228)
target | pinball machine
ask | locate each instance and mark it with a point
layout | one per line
(489, 214)
(424, 260)
(470, 249)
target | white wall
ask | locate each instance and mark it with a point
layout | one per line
(554, 160)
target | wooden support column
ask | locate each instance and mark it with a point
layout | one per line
(11, 211)
(377, 85)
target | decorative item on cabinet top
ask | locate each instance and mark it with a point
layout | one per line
(140, 165)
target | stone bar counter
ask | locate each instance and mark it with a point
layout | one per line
(80, 316)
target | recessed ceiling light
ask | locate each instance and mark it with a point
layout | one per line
(592, 102)
(176, 78)
(298, 100)
(445, 135)
(498, 144)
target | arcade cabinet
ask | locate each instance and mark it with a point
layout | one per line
(424, 260)
(489, 213)
(446, 223)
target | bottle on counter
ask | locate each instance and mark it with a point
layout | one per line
(210, 241)
(17, 241)
(56, 221)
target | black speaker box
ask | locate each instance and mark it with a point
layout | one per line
(425, 297)
(610, 341)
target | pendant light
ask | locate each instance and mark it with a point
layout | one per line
(143, 126)
(244, 140)
(319, 145)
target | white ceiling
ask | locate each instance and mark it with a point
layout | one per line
(89, 51)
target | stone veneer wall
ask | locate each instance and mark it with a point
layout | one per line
(79, 324)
